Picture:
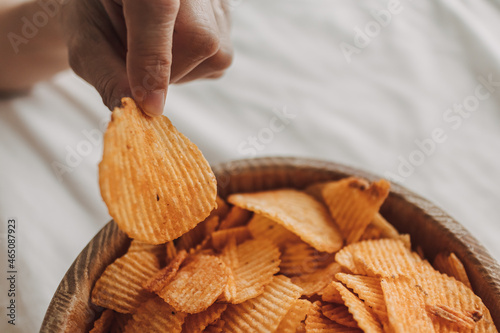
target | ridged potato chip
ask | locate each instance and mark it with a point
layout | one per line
(155, 182)
(263, 228)
(197, 285)
(196, 323)
(155, 316)
(316, 322)
(353, 203)
(300, 258)
(340, 314)
(361, 313)
(215, 327)
(331, 294)
(264, 312)
(405, 306)
(195, 236)
(104, 323)
(294, 316)
(451, 265)
(457, 318)
(316, 281)
(163, 277)
(157, 249)
(235, 218)
(221, 210)
(253, 264)
(220, 238)
(120, 286)
(298, 212)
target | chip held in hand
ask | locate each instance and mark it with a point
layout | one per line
(155, 182)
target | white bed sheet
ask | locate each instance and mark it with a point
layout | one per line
(366, 113)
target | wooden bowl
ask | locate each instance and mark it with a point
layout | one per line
(432, 229)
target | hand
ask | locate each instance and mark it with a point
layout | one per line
(137, 47)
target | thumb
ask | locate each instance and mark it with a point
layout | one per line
(150, 28)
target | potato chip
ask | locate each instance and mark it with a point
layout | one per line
(451, 265)
(405, 306)
(381, 257)
(369, 290)
(300, 258)
(171, 251)
(155, 182)
(229, 257)
(263, 228)
(301, 328)
(155, 316)
(121, 320)
(255, 264)
(331, 294)
(316, 322)
(339, 314)
(294, 316)
(103, 324)
(198, 322)
(316, 281)
(221, 210)
(264, 312)
(163, 277)
(457, 318)
(215, 327)
(221, 237)
(197, 285)
(120, 286)
(296, 211)
(359, 310)
(195, 236)
(353, 204)
(157, 249)
(235, 218)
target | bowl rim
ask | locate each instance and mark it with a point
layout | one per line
(65, 299)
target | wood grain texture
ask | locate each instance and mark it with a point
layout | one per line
(430, 228)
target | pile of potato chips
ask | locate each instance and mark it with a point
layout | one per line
(321, 259)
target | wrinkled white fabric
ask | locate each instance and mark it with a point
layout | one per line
(395, 94)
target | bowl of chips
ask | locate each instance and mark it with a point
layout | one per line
(392, 261)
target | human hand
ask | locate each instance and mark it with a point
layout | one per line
(137, 47)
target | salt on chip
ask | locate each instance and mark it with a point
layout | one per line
(359, 310)
(163, 277)
(295, 315)
(369, 290)
(197, 285)
(120, 286)
(104, 323)
(298, 212)
(195, 236)
(340, 314)
(221, 237)
(264, 312)
(405, 306)
(353, 203)
(451, 265)
(235, 218)
(316, 322)
(155, 316)
(155, 182)
(198, 322)
(263, 228)
(300, 258)
(253, 264)
(316, 281)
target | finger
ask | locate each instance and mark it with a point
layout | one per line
(215, 66)
(196, 36)
(150, 27)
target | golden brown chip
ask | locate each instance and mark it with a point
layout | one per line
(157, 249)
(451, 265)
(155, 182)
(235, 218)
(381, 257)
(120, 286)
(221, 210)
(264, 312)
(263, 228)
(215, 327)
(196, 323)
(361, 313)
(253, 264)
(171, 251)
(340, 314)
(318, 323)
(121, 320)
(221, 237)
(103, 324)
(296, 211)
(229, 257)
(353, 203)
(195, 236)
(300, 258)
(369, 290)
(294, 316)
(163, 277)
(197, 285)
(155, 316)
(405, 306)
(379, 228)
(331, 294)
(457, 318)
(316, 281)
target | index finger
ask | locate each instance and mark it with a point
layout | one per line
(150, 28)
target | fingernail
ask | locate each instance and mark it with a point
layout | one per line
(154, 102)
